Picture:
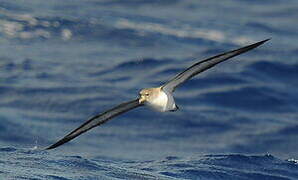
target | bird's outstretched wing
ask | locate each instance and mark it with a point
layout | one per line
(204, 65)
(98, 120)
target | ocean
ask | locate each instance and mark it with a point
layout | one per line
(62, 62)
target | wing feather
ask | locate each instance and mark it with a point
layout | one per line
(97, 120)
(204, 65)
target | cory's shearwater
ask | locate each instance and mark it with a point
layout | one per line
(160, 98)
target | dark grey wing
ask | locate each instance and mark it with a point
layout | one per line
(98, 120)
(204, 65)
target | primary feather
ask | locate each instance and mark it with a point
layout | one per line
(203, 65)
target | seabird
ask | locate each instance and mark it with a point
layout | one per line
(160, 98)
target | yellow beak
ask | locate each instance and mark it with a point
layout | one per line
(142, 99)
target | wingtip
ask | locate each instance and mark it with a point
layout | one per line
(252, 46)
(53, 146)
(49, 148)
(262, 42)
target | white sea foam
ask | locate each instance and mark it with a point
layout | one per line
(182, 31)
(293, 160)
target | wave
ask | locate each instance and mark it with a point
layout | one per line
(230, 166)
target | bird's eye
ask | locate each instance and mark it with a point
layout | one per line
(147, 94)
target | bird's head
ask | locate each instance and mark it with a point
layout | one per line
(146, 95)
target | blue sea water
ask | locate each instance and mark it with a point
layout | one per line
(62, 62)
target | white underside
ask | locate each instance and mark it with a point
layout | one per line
(160, 103)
